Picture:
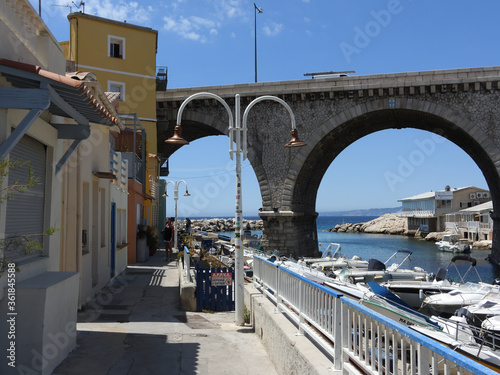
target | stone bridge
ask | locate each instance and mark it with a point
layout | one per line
(461, 105)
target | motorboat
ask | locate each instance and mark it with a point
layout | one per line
(378, 271)
(333, 259)
(413, 292)
(451, 243)
(485, 313)
(446, 304)
(390, 305)
(470, 341)
(465, 294)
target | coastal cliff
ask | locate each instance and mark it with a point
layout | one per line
(385, 224)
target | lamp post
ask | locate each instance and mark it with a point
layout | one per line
(256, 10)
(237, 135)
(176, 198)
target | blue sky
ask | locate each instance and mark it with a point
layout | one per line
(206, 43)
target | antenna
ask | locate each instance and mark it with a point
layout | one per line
(82, 4)
(63, 6)
(70, 6)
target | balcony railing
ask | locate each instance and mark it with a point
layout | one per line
(355, 336)
(416, 213)
(135, 166)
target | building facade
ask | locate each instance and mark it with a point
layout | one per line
(472, 223)
(56, 129)
(123, 58)
(426, 212)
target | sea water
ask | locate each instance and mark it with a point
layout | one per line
(425, 254)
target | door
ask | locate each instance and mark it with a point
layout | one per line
(113, 239)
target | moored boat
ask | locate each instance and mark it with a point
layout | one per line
(451, 243)
(377, 271)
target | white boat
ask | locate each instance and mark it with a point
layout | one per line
(390, 305)
(333, 259)
(445, 304)
(484, 314)
(451, 243)
(378, 272)
(414, 292)
(460, 336)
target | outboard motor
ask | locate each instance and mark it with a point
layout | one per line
(375, 265)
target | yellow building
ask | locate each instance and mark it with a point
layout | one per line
(123, 58)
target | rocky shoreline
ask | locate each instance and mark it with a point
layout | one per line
(392, 224)
(223, 225)
(385, 224)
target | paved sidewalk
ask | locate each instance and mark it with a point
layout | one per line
(135, 326)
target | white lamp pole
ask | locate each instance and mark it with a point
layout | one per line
(176, 198)
(256, 10)
(237, 135)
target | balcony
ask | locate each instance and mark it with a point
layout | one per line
(136, 167)
(416, 213)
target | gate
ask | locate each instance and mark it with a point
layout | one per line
(214, 288)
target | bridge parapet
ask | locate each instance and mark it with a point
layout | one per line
(411, 83)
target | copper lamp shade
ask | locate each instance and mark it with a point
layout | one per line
(177, 139)
(294, 142)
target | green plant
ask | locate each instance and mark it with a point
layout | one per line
(152, 238)
(246, 315)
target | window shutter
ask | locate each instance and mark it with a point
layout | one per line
(25, 212)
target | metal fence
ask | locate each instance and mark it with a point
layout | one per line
(358, 339)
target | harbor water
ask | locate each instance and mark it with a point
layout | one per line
(381, 247)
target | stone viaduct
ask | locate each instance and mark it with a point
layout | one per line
(462, 105)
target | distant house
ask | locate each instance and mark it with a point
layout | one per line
(426, 212)
(472, 223)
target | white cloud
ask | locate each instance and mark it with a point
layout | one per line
(130, 11)
(192, 28)
(274, 29)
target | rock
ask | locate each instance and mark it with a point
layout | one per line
(484, 244)
(386, 224)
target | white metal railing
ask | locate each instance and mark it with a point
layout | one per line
(416, 213)
(354, 334)
(187, 264)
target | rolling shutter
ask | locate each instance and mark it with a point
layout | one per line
(25, 212)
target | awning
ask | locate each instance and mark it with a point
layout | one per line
(39, 90)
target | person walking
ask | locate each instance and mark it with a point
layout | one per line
(188, 226)
(168, 235)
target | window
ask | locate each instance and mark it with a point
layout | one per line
(26, 210)
(444, 203)
(116, 47)
(117, 87)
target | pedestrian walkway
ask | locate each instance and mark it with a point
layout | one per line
(135, 326)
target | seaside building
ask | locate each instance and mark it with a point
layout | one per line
(472, 223)
(426, 212)
(123, 58)
(61, 125)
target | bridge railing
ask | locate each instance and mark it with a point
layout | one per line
(355, 336)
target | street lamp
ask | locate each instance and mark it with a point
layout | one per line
(176, 198)
(237, 135)
(256, 10)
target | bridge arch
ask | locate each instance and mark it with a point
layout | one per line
(344, 128)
